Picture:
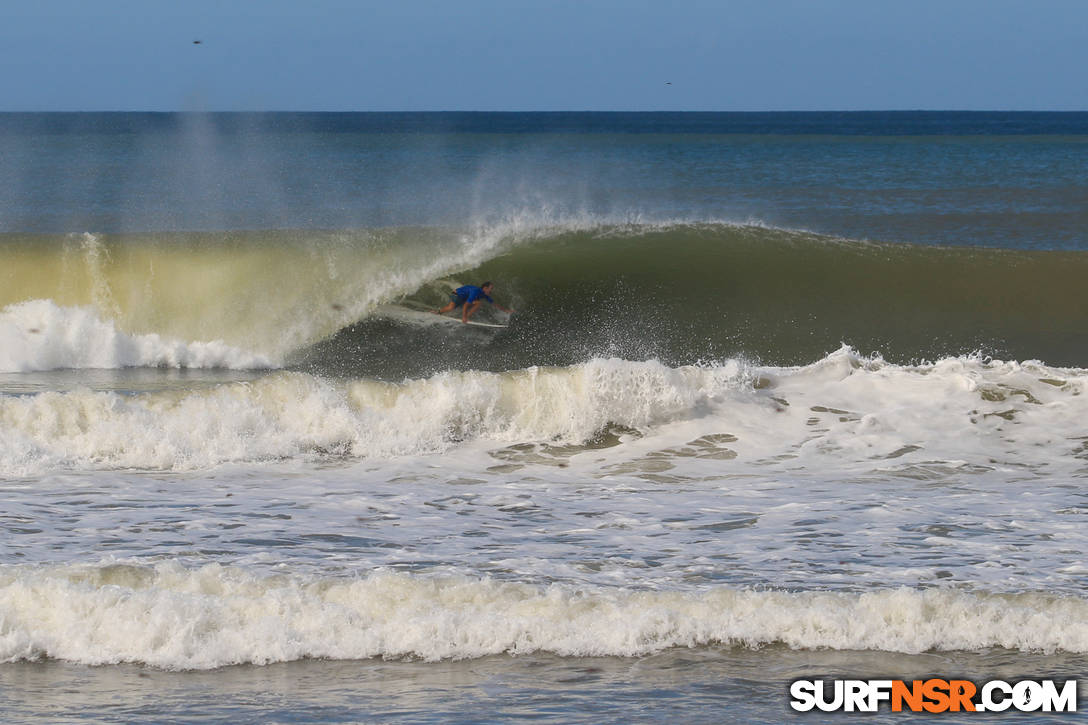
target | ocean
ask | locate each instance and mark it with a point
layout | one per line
(785, 396)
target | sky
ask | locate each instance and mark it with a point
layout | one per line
(522, 55)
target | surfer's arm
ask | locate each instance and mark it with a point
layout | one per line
(469, 309)
(507, 311)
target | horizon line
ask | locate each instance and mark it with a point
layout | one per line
(557, 111)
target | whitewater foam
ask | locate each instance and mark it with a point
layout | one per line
(39, 335)
(173, 617)
(850, 413)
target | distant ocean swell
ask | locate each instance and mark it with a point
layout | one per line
(169, 616)
(677, 292)
(845, 412)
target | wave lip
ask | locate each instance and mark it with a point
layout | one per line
(177, 618)
(39, 335)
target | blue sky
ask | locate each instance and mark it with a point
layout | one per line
(544, 55)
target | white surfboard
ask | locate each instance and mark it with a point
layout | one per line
(417, 313)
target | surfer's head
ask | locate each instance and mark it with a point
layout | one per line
(487, 286)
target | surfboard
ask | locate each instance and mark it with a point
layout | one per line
(484, 324)
(422, 314)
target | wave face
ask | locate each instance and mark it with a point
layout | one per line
(268, 293)
(682, 293)
(846, 413)
(677, 292)
(173, 617)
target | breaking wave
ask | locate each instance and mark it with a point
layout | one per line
(177, 618)
(847, 412)
(584, 288)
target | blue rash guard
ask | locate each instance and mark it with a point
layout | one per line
(467, 294)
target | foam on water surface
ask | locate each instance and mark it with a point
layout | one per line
(39, 335)
(860, 446)
(173, 617)
(845, 413)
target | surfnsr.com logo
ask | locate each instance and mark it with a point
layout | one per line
(933, 695)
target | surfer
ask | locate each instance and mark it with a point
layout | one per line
(469, 298)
